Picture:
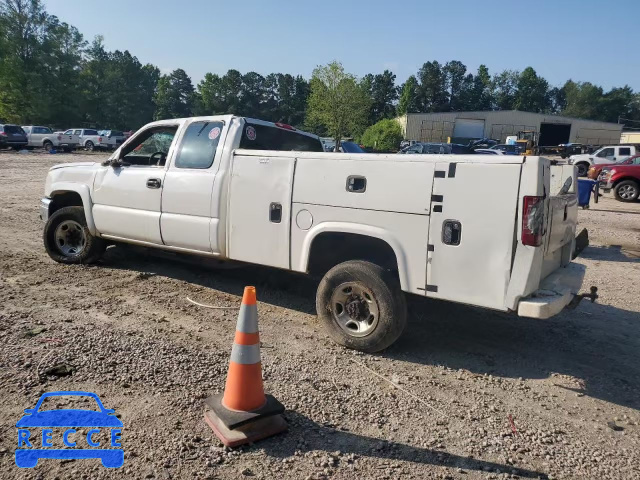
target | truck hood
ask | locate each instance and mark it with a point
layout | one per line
(585, 157)
(72, 165)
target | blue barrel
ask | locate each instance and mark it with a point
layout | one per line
(585, 187)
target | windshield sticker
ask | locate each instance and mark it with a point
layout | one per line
(214, 133)
(251, 133)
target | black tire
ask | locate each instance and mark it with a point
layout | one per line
(385, 292)
(48, 146)
(583, 169)
(89, 146)
(627, 191)
(93, 247)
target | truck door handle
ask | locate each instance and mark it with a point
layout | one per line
(275, 213)
(153, 183)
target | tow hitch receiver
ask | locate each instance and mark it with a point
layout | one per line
(592, 295)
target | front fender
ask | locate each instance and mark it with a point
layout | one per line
(85, 195)
(302, 262)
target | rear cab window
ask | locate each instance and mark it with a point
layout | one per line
(267, 137)
(90, 132)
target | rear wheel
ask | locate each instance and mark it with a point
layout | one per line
(89, 146)
(583, 168)
(627, 191)
(48, 146)
(361, 306)
(68, 240)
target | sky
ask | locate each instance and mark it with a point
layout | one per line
(583, 40)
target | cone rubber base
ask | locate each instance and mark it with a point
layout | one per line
(249, 432)
(233, 419)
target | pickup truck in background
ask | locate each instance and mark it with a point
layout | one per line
(623, 179)
(604, 155)
(372, 226)
(89, 139)
(44, 137)
(113, 136)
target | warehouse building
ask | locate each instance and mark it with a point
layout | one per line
(552, 129)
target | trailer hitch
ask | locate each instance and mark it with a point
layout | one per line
(592, 295)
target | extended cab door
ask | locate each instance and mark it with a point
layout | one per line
(127, 193)
(189, 209)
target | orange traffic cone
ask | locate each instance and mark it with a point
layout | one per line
(244, 413)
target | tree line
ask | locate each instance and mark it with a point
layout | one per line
(51, 75)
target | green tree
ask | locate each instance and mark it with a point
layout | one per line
(383, 93)
(582, 100)
(505, 87)
(458, 85)
(480, 94)
(432, 94)
(533, 92)
(408, 102)
(174, 96)
(384, 136)
(337, 102)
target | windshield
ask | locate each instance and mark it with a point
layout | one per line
(266, 137)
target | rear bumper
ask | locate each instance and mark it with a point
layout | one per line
(555, 293)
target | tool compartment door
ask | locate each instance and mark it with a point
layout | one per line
(471, 233)
(260, 210)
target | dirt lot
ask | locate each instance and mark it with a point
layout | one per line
(570, 385)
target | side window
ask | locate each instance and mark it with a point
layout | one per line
(69, 132)
(606, 152)
(199, 144)
(636, 161)
(77, 132)
(624, 151)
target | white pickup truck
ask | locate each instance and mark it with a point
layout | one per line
(602, 156)
(492, 231)
(89, 139)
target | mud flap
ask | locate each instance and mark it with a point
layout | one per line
(582, 242)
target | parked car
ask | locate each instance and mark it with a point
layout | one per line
(251, 191)
(89, 139)
(438, 148)
(44, 137)
(488, 151)
(602, 156)
(12, 136)
(350, 147)
(508, 149)
(117, 136)
(624, 180)
(594, 171)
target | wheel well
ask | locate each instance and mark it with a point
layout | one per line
(633, 179)
(331, 248)
(64, 199)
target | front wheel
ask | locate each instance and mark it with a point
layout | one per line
(627, 191)
(361, 306)
(68, 240)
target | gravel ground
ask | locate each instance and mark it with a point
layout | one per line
(482, 394)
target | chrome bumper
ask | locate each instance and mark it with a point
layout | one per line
(44, 208)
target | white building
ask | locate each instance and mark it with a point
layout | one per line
(462, 126)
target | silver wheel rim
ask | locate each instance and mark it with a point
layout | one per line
(70, 238)
(354, 309)
(90, 146)
(627, 191)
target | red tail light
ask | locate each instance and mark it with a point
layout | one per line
(532, 221)
(284, 125)
(4, 134)
(59, 137)
(99, 139)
